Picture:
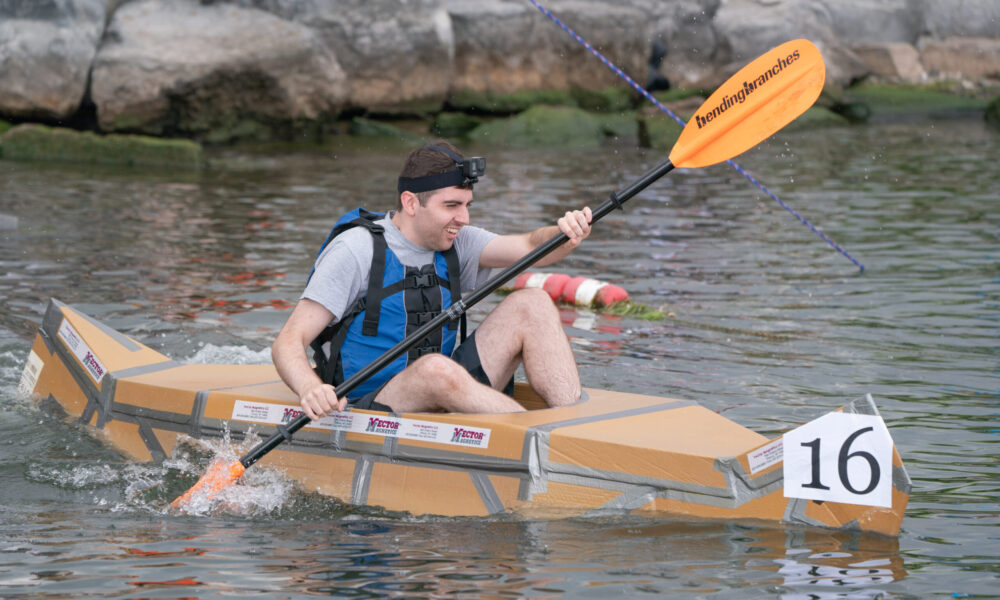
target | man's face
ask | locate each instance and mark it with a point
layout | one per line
(446, 211)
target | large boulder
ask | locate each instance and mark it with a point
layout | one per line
(685, 30)
(751, 28)
(46, 48)
(892, 60)
(868, 22)
(961, 18)
(397, 54)
(503, 46)
(215, 71)
(968, 57)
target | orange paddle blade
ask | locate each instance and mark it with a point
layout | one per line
(218, 477)
(756, 102)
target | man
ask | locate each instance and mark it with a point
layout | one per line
(350, 317)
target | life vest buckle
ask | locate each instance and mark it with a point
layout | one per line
(423, 280)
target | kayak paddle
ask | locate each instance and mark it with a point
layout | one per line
(753, 104)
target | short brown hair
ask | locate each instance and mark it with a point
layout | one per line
(422, 162)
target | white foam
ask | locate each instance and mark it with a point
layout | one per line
(210, 354)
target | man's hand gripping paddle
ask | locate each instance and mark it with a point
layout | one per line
(753, 104)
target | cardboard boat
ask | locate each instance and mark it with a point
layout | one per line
(611, 451)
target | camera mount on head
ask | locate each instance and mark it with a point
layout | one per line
(467, 172)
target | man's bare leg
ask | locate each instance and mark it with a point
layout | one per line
(436, 382)
(525, 327)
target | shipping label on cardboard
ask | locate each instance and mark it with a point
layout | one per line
(93, 365)
(29, 377)
(403, 428)
(767, 455)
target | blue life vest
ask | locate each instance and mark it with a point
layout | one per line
(399, 300)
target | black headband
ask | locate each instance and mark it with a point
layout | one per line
(465, 173)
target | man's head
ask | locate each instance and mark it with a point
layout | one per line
(435, 193)
(435, 166)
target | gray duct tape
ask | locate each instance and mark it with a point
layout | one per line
(795, 512)
(362, 479)
(488, 494)
(47, 340)
(152, 443)
(146, 369)
(862, 406)
(901, 480)
(53, 318)
(197, 410)
(106, 397)
(337, 439)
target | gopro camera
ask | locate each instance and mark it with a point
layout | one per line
(473, 168)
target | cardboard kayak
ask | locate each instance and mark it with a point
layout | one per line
(611, 451)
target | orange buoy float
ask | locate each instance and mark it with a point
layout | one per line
(580, 291)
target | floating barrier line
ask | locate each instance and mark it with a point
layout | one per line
(673, 116)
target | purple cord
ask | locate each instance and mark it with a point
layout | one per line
(673, 116)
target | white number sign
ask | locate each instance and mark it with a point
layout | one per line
(840, 457)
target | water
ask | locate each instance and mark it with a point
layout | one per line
(769, 325)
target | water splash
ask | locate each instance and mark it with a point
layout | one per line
(259, 492)
(74, 476)
(233, 355)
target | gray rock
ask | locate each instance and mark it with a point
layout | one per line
(754, 27)
(503, 46)
(179, 66)
(961, 18)
(694, 48)
(867, 22)
(46, 49)
(894, 60)
(394, 52)
(967, 57)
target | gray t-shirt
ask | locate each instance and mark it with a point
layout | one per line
(341, 275)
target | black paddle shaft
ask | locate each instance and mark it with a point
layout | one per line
(457, 309)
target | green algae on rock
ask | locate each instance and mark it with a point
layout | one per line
(38, 142)
(543, 126)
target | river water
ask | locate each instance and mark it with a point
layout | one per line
(767, 324)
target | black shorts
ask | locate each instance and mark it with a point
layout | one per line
(466, 355)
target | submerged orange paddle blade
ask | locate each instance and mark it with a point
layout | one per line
(219, 475)
(757, 101)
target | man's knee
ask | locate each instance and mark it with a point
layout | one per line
(533, 303)
(442, 371)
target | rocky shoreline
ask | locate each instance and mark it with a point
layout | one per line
(220, 71)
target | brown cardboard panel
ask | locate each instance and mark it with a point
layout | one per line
(640, 461)
(125, 436)
(132, 393)
(692, 430)
(506, 489)
(770, 508)
(196, 378)
(56, 380)
(422, 490)
(572, 495)
(331, 476)
(167, 439)
(871, 518)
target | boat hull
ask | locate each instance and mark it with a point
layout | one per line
(610, 452)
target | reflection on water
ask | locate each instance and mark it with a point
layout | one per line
(767, 324)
